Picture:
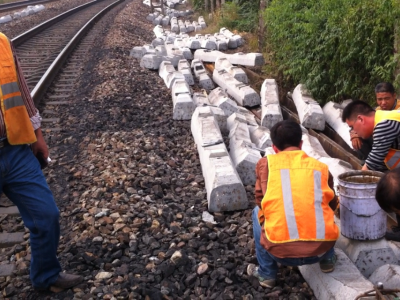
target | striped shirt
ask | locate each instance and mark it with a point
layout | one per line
(386, 135)
(26, 96)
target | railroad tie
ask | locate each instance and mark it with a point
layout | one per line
(8, 239)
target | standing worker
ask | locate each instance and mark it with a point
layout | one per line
(386, 100)
(293, 223)
(21, 179)
(384, 127)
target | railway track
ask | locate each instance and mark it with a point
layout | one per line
(61, 88)
(20, 4)
(51, 55)
(39, 48)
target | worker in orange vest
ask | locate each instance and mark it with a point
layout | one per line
(293, 222)
(386, 100)
(21, 178)
(384, 127)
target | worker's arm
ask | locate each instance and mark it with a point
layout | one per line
(261, 184)
(385, 134)
(364, 167)
(39, 147)
(334, 203)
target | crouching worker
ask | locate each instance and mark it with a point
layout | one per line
(388, 197)
(293, 222)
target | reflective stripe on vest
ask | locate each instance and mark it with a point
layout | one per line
(392, 159)
(10, 88)
(296, 204)
(13, 102)
(289, 210)
(18, 125)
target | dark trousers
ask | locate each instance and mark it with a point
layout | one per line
(23, 182)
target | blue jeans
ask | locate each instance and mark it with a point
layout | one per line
(268, 263)
(24, 184)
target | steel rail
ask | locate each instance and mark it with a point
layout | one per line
(23, 37)
(52, 71)
(15, 5)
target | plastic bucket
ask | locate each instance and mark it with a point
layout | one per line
(361, 218)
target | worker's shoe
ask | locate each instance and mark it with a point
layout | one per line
(328, 264)
(66, 281)
(252, 270)
(393, 236)
(63, 282)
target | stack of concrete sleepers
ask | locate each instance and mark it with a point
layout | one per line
(309, 111)
(270, 108)
(242, 150)
(235, 40)
(313, 148)
(202, 76)
(183, 105)
(242, 59)
(151, 57)
(244, 135)
(222, 63)
(333, 116)
(225, 173)
(225, 190)
(242, 93)
(29, 10)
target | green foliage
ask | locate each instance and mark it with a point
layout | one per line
(198, 4)
(338, 49)
(241, 15)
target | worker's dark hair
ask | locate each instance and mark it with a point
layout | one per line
(355, 108)
(286, 134)
(384, 87)
(388, 191)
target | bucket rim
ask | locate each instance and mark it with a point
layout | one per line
(342, 176)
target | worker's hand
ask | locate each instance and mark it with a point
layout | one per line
(337, 212)
(356, 143)
(39, 148)
(355, 140)
(364, 167)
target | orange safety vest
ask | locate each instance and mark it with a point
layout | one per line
(296, 204)
(18, 124)
(392, 159)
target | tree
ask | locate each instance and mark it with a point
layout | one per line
(338, 48)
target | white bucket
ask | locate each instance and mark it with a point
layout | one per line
(361, 218)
